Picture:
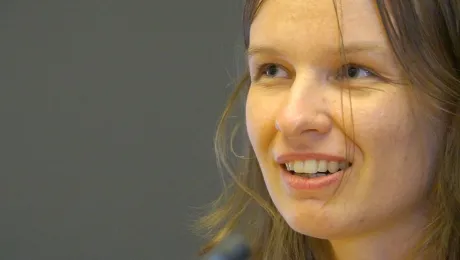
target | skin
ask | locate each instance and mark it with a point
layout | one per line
(298, 103)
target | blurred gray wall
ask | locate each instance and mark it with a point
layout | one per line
(108, 110)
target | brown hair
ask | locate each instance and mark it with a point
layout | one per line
(425, 37)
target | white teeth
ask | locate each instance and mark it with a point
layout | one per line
(291, 165)
(310, 166)
(343, 165)
(298, 166)
(316, 167)
(322, 166)
(333, 167)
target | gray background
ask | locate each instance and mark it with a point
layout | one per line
(108, 109)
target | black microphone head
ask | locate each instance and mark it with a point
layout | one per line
(233, 247)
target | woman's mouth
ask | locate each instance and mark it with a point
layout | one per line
(315, 168)
(311, 171)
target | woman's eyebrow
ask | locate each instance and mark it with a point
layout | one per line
(350, 48)
(259, 49)
(357, 47)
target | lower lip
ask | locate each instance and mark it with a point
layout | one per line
(302, 183)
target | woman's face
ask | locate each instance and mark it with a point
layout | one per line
(301, 111)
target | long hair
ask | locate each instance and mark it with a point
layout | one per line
(425, 38)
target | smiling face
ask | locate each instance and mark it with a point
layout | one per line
(304, 101)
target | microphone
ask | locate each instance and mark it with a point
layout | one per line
(234, 247)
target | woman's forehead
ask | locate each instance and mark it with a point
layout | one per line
(280, 21)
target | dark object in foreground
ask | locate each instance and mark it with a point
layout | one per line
(232, 248)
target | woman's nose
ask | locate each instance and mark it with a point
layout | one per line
(305, 111)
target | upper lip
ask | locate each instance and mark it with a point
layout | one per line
(289, 157)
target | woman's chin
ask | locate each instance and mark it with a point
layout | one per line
(316, 224)
(316, 230)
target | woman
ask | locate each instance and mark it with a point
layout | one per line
(352, 114)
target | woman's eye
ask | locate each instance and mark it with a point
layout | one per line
(348, 71)
(354, 72)
(273, 71)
